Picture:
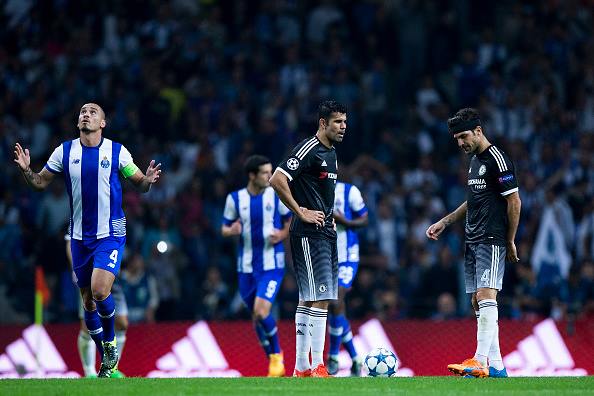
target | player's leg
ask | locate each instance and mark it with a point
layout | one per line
(496, 367)
(336, 329)
(323, 268)
(82, 266)
(87, 349)
(247, 291)
(120, 325)
(267, 289)
(302, 334)
(107, 260)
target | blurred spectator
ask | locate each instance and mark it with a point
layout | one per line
(141, 291)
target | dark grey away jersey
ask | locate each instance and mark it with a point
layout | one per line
(312, 172)
(490, 178)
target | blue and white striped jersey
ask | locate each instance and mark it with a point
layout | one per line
(92, 180)
(348, 200)
(259, 215)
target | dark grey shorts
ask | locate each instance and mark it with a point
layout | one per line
(316, 268)
(484, 266)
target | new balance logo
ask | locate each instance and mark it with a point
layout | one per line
(543, 353)
(299, 332)
(33, 356)
(371, 335)
(196, 355)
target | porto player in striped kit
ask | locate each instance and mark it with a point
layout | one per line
(305, 181)
(91, 166)
(492, 214)
(261, 220)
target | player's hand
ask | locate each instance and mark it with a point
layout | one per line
(312, 216)
(276, 236)
(22, 157)
(435, 230)
(340, 218)
(153, 172)
(235, 228)
(512, 252)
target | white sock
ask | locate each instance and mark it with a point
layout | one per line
(121, 341)
(487, 323)
(302, 339)
(87, 350)
(317, 325)
(495, 359)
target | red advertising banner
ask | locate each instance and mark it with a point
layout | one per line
(183, 349)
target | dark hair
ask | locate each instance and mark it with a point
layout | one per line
(327, 107)
(253, 163)
(464, 119)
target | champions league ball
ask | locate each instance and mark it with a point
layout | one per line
(381, 362)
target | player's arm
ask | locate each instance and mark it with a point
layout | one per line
(357, 222)
(282, 234)
(141, 181)
(232, 229)
(514, 205)
(436, 229)
(38, 181)
(231, 223)
(280, 183)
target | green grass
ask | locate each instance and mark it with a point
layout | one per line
(300, 386)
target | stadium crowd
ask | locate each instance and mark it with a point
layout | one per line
(201, 85)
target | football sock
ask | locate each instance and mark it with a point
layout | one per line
(335, 335)
(317, 325)
(495, 359)
(121, 338)
(106, 310)
(302, 339)
(269, 326)
(347, 337)
(262, 337)
(487, 323)
(93, 323)
(87, 352)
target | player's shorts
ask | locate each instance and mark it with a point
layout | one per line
(105, 253)
(121, 306)
(316, 267)
(484, 266)
(346, 273)
(264, 284)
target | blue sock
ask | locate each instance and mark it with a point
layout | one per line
(269, 326)
(93, 323)
(262, 337)
(106, 310)
(347, 337)
(336, 331)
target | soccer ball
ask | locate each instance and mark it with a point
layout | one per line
(381, 362)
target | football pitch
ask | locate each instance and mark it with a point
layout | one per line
(302, 386)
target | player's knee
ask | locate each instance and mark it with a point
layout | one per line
(121, 323)
(484, 294)
(89, 305)
(100, 293)
(260, 313)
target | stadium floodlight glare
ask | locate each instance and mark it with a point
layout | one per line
(162, 246)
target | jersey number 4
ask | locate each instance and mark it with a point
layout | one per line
(113, 257)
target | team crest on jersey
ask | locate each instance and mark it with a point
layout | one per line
(323, 288)
(482, 170)
(268, 207)
(292, 163)
(105, 163)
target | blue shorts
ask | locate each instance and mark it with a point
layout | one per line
(105, 253)
(264, 284)
(346, 273)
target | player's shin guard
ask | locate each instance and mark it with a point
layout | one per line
(302, 339)
(121, 337)
(347, 338)
(317, 325)
(93, 323)
(87, 352)
(336, 331)
(262, 337)
(106, 310)
(487, 325)
(269, 326)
